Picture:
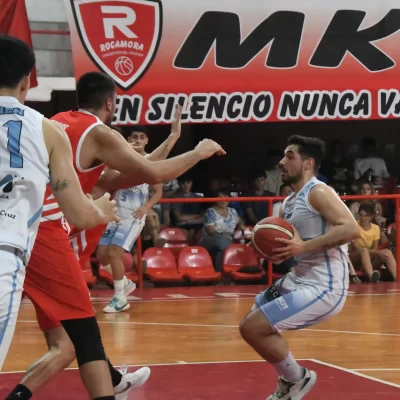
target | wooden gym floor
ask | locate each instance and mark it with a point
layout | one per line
(190, 337)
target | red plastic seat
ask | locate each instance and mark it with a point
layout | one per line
(161, 265)
(196, 265)
(130, 270)
(237, 256)
(88, 274)
(175, 240)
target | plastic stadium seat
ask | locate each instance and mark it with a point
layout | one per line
(161, 265)
(88, 274)
(130, 270)
(196, 265)
(175, 240)
(238, 256)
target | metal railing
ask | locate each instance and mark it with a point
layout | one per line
(270, 201)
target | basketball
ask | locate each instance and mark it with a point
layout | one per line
(265, 233)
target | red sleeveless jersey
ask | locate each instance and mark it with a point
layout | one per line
(77, 124)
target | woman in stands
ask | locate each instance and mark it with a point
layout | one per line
(364, 251)
(220, 223)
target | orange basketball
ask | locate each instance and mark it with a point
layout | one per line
(265, 233)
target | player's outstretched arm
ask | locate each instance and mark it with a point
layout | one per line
(344, 226)
(135, 169)
(79, 210)
(163, 150)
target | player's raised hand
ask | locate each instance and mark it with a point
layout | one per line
(207, 148)
(292, 247)
(176, 125)
(107, 208)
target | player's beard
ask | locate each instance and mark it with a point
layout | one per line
(292, 179)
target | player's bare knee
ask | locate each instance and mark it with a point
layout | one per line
(114, 252)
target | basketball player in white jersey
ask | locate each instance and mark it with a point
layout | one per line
(133, 205)
(317, 287)
(31, 150)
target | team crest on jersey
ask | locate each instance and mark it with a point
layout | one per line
(6, 187)
(120, 36)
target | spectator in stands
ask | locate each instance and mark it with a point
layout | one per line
(285, 190)
(220, 223)
(369, 166)
(368, 189)
(337, 168)
(257, 210)
(273, 175)
(163, 210)
(364, 251)
(187, 216)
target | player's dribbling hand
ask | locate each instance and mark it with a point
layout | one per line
(292, 247)
(207, 148)
(107, 207)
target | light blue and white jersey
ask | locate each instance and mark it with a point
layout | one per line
(24, 172)
(129, 200)
(328, 269)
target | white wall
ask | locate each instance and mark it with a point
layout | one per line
(53, 52)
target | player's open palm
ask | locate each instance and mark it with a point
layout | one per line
(108, 209)
(207, 148)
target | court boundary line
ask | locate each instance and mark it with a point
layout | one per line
(376, 369)
(176, 363)
(354, 372)
(227, 326)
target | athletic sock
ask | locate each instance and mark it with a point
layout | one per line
(20, 392)
(116, 376)
(119, 289)
(288, 369)
(126, 281)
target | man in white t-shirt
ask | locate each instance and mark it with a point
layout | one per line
(370, 161)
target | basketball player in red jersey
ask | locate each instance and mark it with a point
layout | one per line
(55, 281)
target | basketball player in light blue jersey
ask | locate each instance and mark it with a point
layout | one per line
(133, 205)
(316, 288)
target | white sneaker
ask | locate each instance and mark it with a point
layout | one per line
(130, 382)
(294, 390)
(116, 305)
(129, 288)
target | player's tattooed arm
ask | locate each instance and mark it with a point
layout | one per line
(60, 184)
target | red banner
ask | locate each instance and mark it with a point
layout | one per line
(240, 61)
(14, 22)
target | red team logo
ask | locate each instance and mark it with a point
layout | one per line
(126, 41)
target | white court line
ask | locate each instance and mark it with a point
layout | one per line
(226, 326)
(353, 372)
(376, 369)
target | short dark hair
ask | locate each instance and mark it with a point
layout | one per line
(139, 128)
(17, 60)
(93, 89)
(368, 208)
(259, 174)
(309, 147)
(283, 186)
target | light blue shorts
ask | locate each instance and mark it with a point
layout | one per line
(122, 234)
(305, 306)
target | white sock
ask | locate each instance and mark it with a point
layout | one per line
(126, 281)
(288, 369)
(119, 289)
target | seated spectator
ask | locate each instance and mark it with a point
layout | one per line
(285, 190)
(257, 210)
(273, 173)
(367, 189)
(220, 222)
(369, 166)
(187, 216)
(163, 210)
(364, 251)
(338, 169)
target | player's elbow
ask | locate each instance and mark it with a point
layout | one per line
(353, 231)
